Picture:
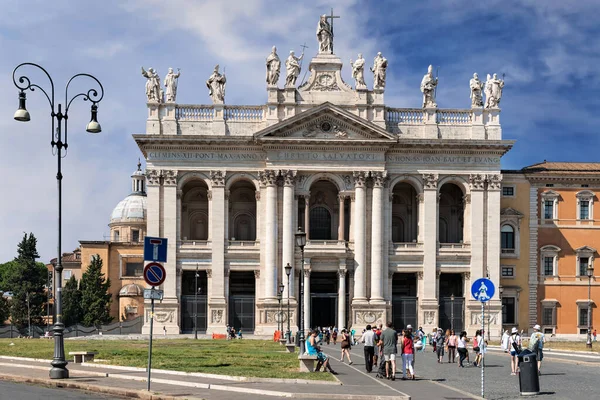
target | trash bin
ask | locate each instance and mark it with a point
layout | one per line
(529, 380)
(298, 339)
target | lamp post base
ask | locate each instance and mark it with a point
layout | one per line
(59, 372)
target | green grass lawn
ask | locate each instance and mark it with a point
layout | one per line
(253, 358)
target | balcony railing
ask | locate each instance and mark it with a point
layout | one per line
(192, 112)
(454, 246)
(193, 244)
(404, 115)
(244, 243)
(407, 245)
(325, 242)
(454, 117)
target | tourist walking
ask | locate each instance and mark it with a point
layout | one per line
(461, 347)
(378, 347)
(369, 349)
(476, 347)
(505, 342)
(594, 334)
(408, 352)
(334, 336)
(451, 341)
(515, 344)
(389, 338)
(440, 340)
(536, 345)
(346, 346)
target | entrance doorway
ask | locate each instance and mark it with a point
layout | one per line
(242, 294)
(452, 312)
(324, 299)
(404, 301)
(193, 301)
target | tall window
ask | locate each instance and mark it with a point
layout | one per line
(507, 234)
(549, 209)
(135, 235)
(320, 224)
(548, 266)
(584, 209)
(548, 316)
(116, 236)
(508, 310)
(584, 262)
(583, 316)
(134, 268)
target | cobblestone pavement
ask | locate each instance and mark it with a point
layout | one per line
(563, 376)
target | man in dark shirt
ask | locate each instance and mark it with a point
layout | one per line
(390, 339)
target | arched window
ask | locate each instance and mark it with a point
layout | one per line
(507, 239)
(443, 231)
(397, 230)
(243, 228)
(320, 224)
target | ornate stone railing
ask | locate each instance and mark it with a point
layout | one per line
(454, 246)
(404, 115)
(407, 245)
(325, 242)
(244, 113)
(192, 112)
(244, 243)
(454, 117)
(193, 244)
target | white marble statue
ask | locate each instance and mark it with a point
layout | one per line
(171, 85)
(324, 35)
(153, 91)
(292, 66)
(493, 91)
(379, 70)
(273, 67)
(428, 84)
(358, 71)
(216, 86)
(476, 86)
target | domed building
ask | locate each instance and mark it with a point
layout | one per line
(123, 254)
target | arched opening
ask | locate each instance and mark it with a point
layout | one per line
(194, 211)
(242, 211)
(451, 214)
(507, 238)
(324, 212)
(405, 213)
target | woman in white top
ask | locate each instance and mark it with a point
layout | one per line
(514, 341)
(461, 347)
(505, 342)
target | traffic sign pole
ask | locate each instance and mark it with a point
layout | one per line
(150, 347)
(481, 349)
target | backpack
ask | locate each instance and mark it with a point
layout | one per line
(534, 343)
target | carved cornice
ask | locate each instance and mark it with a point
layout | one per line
(360, 178)
(430, 181)
(342, 273)
(494, 181)
(477, 182)
(289, 177)
(153, 177)
(217, 178)
(169, 177)
(379, 178)
(268, 177)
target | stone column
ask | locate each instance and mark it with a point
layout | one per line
(360, 242)
(226, 218)
(342, 225)
(269, 179)
(307, 214)
(478, 264)
(306, 299)
(288, 242)
(342, 298)
(429, 303)
(170, 231)
(352, 213)
(494, 186)
(378, 222)
(153, 202)
(216, 282)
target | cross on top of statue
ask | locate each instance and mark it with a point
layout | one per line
(325, 33)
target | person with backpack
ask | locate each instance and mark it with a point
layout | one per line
(515, 348)
(536, 345)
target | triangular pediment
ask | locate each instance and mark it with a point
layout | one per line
(511, 212)
(326, 122)
(585, 249)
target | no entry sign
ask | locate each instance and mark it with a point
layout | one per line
(154, 274)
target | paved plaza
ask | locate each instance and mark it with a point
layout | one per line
(564, 377)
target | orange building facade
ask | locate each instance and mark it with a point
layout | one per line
(564, 235)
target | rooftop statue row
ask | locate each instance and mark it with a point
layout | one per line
(154, 92)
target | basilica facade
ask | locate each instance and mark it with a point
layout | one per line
(401, 207)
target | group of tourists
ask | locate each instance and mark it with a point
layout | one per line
(513, 344)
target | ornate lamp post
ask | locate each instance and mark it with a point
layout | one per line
(301, 242)
(590, 274)
(59, 364)
(279, 297)
(196, 304)
(452, 312)
(288, 271)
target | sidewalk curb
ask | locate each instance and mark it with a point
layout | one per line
(337, 382)
(128, 393)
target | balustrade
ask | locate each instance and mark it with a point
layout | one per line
(454, 117)
(244, 113)
(404, 115)
(194, 112)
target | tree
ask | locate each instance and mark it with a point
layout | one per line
(72, 310)
(95, 298)
(4, 309)
(25, 279)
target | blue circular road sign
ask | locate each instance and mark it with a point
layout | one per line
(483, 289)
(154, 274)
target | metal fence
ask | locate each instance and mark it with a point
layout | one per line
(133, 326)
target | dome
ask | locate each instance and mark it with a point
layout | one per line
(131, 290)
(131, 209)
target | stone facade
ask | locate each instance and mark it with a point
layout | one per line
(385, 195)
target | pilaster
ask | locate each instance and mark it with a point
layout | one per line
(268, 178)
(342, 295)
(288, 242)
(377, 238)
(216, 282)
(428, 301)
(359, 221)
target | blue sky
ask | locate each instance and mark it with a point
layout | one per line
(548, 50)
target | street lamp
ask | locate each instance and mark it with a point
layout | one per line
(279, 296)
(196, 304)
(288, 271)
(590, 274)
(452, 312)
(301, 242)
(59, 364)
